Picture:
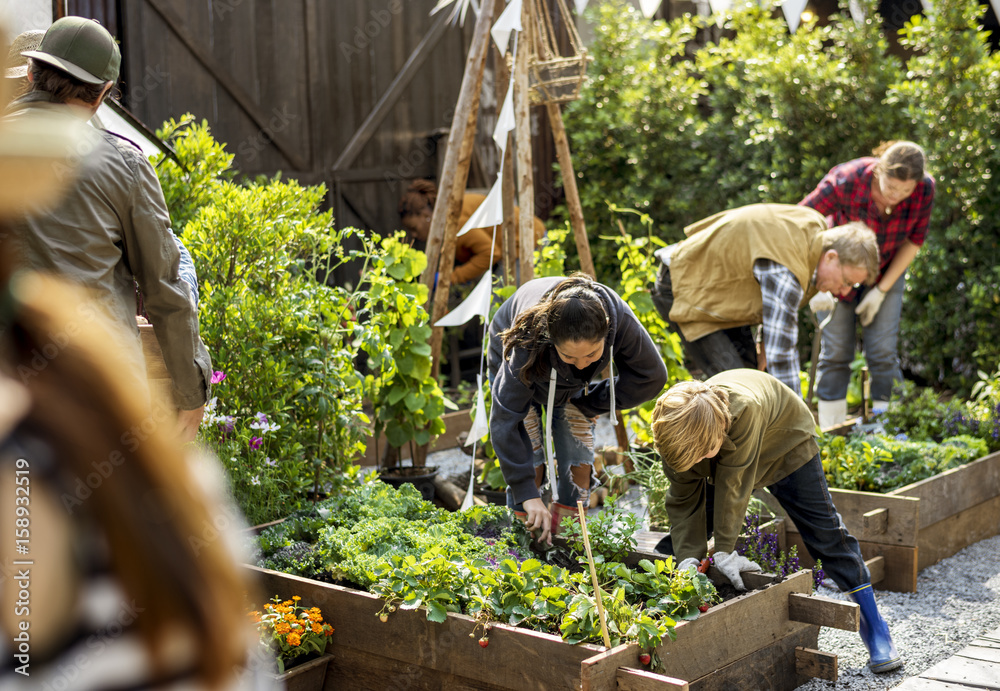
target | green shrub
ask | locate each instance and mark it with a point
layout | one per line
(680, 132)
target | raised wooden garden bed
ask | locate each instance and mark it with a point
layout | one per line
(780, 624)
(920, 524)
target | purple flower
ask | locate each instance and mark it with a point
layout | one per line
(268, 461)
(228, 424)
(255, 443)
(901, 437)
(262, 424)
(217, 377)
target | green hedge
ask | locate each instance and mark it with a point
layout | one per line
(681, 132)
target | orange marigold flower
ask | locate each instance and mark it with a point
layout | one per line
(293, 639)
(282, 627)
(296, 598)
(316, 628)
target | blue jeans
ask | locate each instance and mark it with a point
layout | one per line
(880, 340)
(805, 498)
(573, 444)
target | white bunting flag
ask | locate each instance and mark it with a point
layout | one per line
(505, 120)
(509, 20)
(649, 7)
(480, 426)
(928, 5)
(490, 212)
(581, 5)
(477, 304)
(996, 7)
(720, 5)
(857, 11)
(793, 13)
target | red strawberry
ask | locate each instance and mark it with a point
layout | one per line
(704, 607)
(483, 642)
(644, 658)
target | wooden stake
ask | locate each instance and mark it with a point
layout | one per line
(451, 188)
(525, 174)
(572, 193)
(593, 574)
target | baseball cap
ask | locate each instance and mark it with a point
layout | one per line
(81, 47)
(17, 64)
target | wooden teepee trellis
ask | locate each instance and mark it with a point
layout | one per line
(541, 76)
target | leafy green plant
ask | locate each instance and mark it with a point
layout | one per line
(852, 463)
(407, 399)
(647, 471)
(611, 532)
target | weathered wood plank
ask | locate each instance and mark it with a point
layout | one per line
(902, 520)
(899, 569)
(954, 490)
(960, 670)
(921, 684)
(982, 653)
(641, 680)
(875, 522)
(773, 667)
(357, 670)
(956, 532)
(515, 658)
(824, 611)
(765, 612)
(815, 663)
(876, 568)
(598, 673)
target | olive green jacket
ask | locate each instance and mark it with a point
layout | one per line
(112, 226)
(771, 436)
(711, 272)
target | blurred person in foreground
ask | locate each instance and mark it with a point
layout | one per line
(133, 581)
(112, 228)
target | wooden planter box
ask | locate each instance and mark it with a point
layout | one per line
(920, 524)
(410, 652)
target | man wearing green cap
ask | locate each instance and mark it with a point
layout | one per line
(113, 225)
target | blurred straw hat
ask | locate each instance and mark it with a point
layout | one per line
(39, 154)
(17, 64)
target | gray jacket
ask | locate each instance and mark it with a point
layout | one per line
(113, 225)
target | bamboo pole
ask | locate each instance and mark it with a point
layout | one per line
(525, 174)
(593, 574)
(461, 138)
(572, 193)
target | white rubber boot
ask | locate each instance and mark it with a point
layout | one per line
(832, 413)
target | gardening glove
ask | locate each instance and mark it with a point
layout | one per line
(869, 306)
(822, 302)
(689, 563)
(732, 565)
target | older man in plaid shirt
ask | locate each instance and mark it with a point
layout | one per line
(753, 265)
(893, 195)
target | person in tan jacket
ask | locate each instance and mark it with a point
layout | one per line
(753, 265)
(475, 251)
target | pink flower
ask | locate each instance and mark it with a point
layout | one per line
(217, 377)
(255, 442)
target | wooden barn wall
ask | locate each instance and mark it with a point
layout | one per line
(313, 69)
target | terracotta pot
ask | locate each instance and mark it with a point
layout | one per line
(308, 676)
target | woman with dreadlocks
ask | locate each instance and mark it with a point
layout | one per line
(548, 342)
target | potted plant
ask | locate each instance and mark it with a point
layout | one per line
(407, 401)
(297, 637)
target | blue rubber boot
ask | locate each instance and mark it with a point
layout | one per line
(875, 632)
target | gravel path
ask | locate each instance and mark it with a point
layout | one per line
(957, 600)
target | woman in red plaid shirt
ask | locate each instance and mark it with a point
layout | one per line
(893, 195)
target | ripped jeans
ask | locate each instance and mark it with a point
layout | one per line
(573, 445)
